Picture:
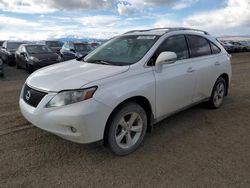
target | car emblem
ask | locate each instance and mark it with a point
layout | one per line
(28, 95)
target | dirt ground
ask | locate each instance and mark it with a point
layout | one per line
(199, 147)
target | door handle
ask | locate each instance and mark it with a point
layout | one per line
(217, 63)
(190, 70)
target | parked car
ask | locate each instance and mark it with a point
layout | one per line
(55, 45)
(1, 68)
(8, 52)
(246, 44)
(1, 42)
(238, 46)
(228, 46)
(72, 50)
(35, 56)
(118, 91)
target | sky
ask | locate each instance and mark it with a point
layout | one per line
(101, 19)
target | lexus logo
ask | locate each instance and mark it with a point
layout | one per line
(28, 95)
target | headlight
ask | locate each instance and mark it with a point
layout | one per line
(69, 97)
(32, 58)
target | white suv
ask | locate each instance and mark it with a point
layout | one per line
(118, 91)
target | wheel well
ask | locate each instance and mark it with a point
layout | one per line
(226, 78)
(140, 100)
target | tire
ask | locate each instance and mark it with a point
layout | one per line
(29, 68)
(123, 137)
(17, 65)
(218, 93)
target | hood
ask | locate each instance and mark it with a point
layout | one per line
(46, 56)
(71, 75)
(56, 49)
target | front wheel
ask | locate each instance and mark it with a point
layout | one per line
(218, 94)
(29, 68)
(126, 129)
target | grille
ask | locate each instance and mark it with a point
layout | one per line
(31, 96)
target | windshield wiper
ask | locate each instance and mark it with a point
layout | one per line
(101, 62)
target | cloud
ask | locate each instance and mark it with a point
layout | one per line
(126, 9)
(7, 22)
(233, 18)
(45, 6)
(99, 20)
(236, 14)
(184, 4)
(131, 7)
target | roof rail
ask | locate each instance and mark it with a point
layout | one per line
(169, 29)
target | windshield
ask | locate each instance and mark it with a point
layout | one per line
(124, 50)
(38, 49)
(54, 43)
(13, 45)
(83, 47)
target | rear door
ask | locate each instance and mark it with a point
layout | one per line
(205, 65)
(175, 83)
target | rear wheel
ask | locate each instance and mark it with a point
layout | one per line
(126, 129)
(218, 94)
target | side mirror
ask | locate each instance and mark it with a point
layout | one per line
(165, 58)
(22, 53)
(72, 50)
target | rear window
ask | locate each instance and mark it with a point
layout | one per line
(199, 46)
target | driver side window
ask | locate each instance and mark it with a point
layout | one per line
(175, 44)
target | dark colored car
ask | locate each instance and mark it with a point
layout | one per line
(228, 46)
(53, 44)
(8, 52)
(72, 50)
(246, 44)
(1, 68)
(35, 56)
(238, 46)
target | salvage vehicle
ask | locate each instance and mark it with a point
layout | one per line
(1, 68)
(229, 47)
(73, 50)
(35, 56)
(8, 50)
(55, 45)
(238, 46)
(120, 90)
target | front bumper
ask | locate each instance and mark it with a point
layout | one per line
(88, 118)
(38, 65)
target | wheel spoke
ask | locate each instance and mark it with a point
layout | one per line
(120, 136)
(129, 140)
(132, 119)
(137, 128)
(123, 123)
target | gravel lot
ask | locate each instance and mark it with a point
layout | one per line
(195, 148)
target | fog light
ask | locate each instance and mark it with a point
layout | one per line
(73, 129)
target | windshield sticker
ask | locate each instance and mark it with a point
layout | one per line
(146, 37)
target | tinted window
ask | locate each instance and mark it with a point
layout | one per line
(175, 44)
(13, 45)
(199, 46)
(214, 48)
(38, 49)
